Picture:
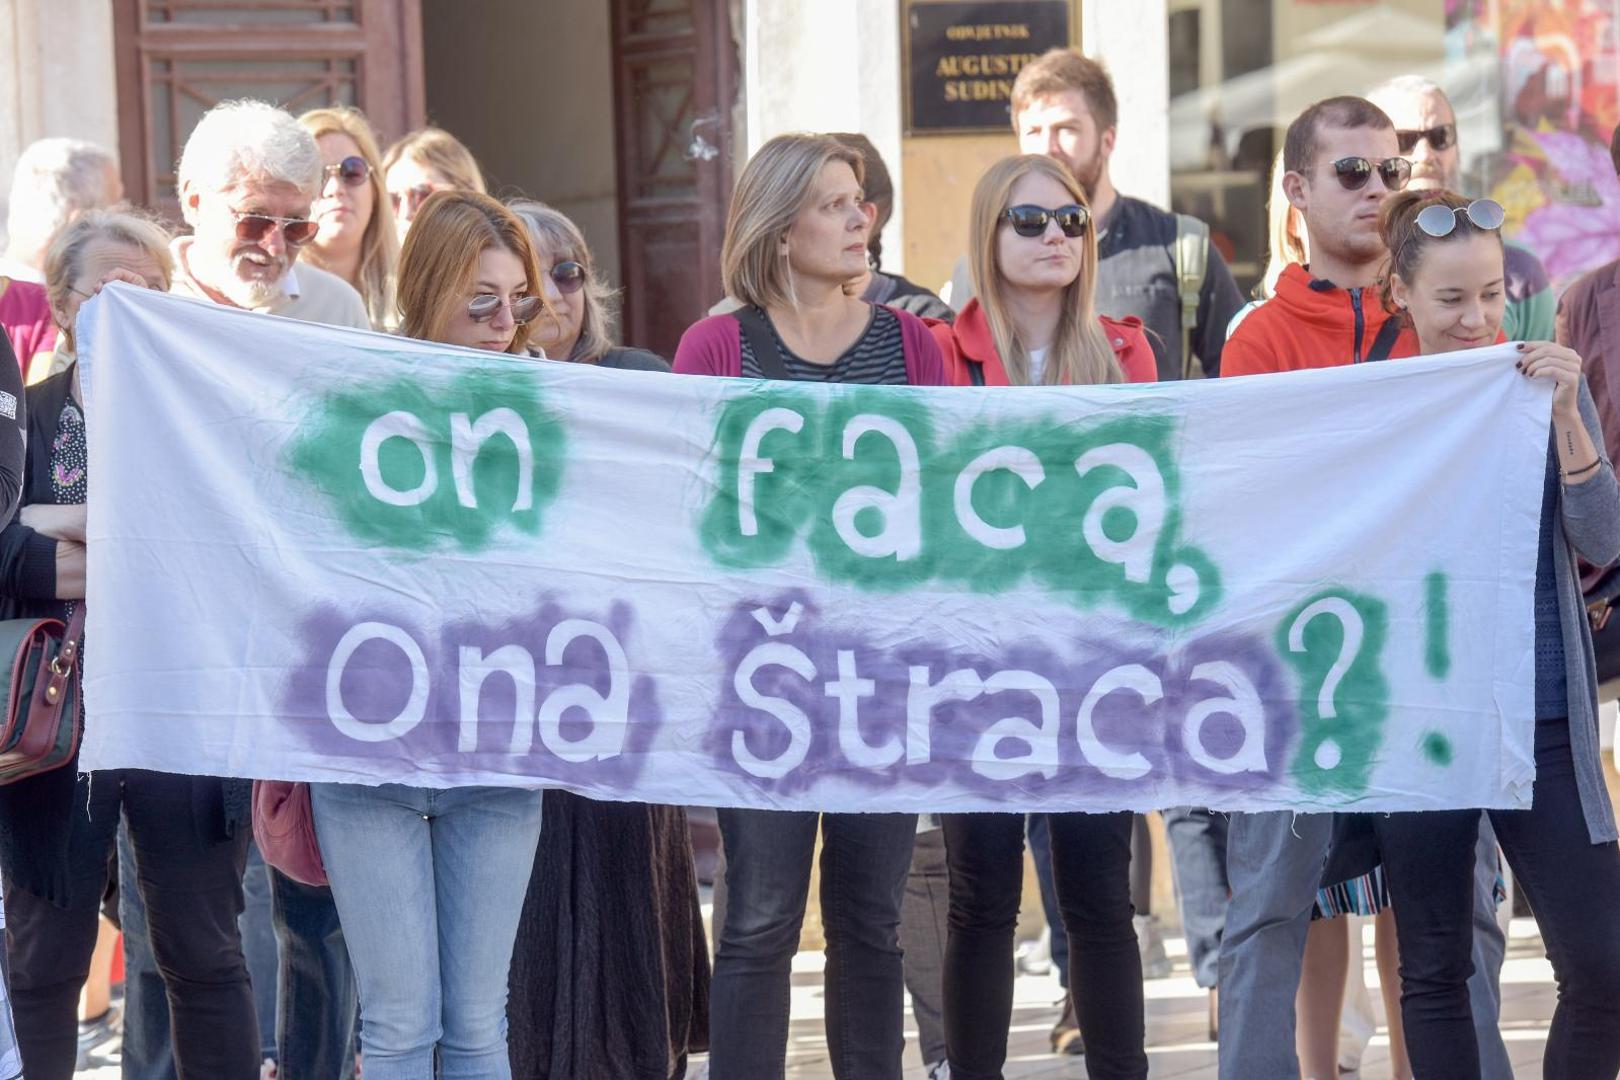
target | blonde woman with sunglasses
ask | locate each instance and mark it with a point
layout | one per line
(356, 239)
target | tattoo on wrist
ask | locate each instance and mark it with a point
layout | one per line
(1569, 441)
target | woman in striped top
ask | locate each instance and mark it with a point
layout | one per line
(795, 241)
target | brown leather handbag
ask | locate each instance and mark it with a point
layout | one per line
(43, 718)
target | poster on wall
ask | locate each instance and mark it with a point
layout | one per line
(962, 59)
(1557, 68)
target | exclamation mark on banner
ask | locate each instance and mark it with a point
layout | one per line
(1437, 653)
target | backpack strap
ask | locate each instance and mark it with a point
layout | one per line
(1192, 258)
(1384, 343)
(761, 342)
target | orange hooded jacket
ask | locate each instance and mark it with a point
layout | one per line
(1310, 323)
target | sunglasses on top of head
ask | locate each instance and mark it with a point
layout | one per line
(1439, 138)
(1031, 220)
(352, 171)
(1354, 172)
(254, 228)
(483, 307)
(1439, 220)
(569, 277)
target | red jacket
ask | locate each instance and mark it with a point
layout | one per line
(1312, 324)
(969, 339)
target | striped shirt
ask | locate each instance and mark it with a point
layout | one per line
(877, 357)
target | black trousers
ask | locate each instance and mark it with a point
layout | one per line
(193, 892)
(1573, 886)
(1091, 866)
(1428, 862)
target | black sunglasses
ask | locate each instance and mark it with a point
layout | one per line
(569, 277)
(1354, 172)
(483, 307)
(254, 228)
(352, 170)
(412, 198)
(1031, 220)
(1439, 138)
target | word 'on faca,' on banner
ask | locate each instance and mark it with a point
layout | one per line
(441, 567)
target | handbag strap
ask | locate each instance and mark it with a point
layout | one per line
(761, 342)
(65, 662)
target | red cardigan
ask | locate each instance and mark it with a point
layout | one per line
(968, 338)
(713, 346)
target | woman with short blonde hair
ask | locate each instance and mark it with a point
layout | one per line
(357, 240)
(422, 163)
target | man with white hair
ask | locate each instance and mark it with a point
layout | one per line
(248, 177)
(1426, 129)
(55, 181)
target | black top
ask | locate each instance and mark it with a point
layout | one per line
(897, 292)
(628, 359)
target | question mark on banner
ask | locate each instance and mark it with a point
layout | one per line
(1328, 752)
(1344, 697)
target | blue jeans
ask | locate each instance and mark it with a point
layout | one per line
(864, 861)
(1198, 853)
(1040, 850)
(316, 1006)
(429, 884)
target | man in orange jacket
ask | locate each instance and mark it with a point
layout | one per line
(1341, 158)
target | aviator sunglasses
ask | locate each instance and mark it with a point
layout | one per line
(1031, 220)
(483, 307)
(1439, 138)
(254, 228)
(352, 171)
(1354, 172)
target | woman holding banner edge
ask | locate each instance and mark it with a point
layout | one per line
(1033, 256)
(1445, 280)
(796, 239)
(429, 883)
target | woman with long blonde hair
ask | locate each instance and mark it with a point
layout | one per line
(1033, 320)
(357, 240)
(1032, 252)
(795, 241)
(429, 883)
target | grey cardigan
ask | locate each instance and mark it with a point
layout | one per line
(1590, 513)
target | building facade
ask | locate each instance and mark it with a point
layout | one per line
(634, 116)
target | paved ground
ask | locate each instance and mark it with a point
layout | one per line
(1176, 1009)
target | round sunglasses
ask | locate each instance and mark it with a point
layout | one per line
(1439, 220)
(352, 171)
(256, 228)
(1354, 172)
(569, 277)
(483, 307)
(1030, 220)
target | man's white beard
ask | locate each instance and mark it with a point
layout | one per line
(243, 292)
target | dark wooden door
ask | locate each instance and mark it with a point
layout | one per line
(675, 77)
(177, 58)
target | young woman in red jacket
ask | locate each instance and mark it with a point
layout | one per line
(1033, 257)
(1032, 322)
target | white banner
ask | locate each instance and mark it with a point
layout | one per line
(321, 554)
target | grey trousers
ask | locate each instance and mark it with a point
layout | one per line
(922, 936)
(1274, 862)
(1490, 946)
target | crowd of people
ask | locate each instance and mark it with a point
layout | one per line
(501, 932)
